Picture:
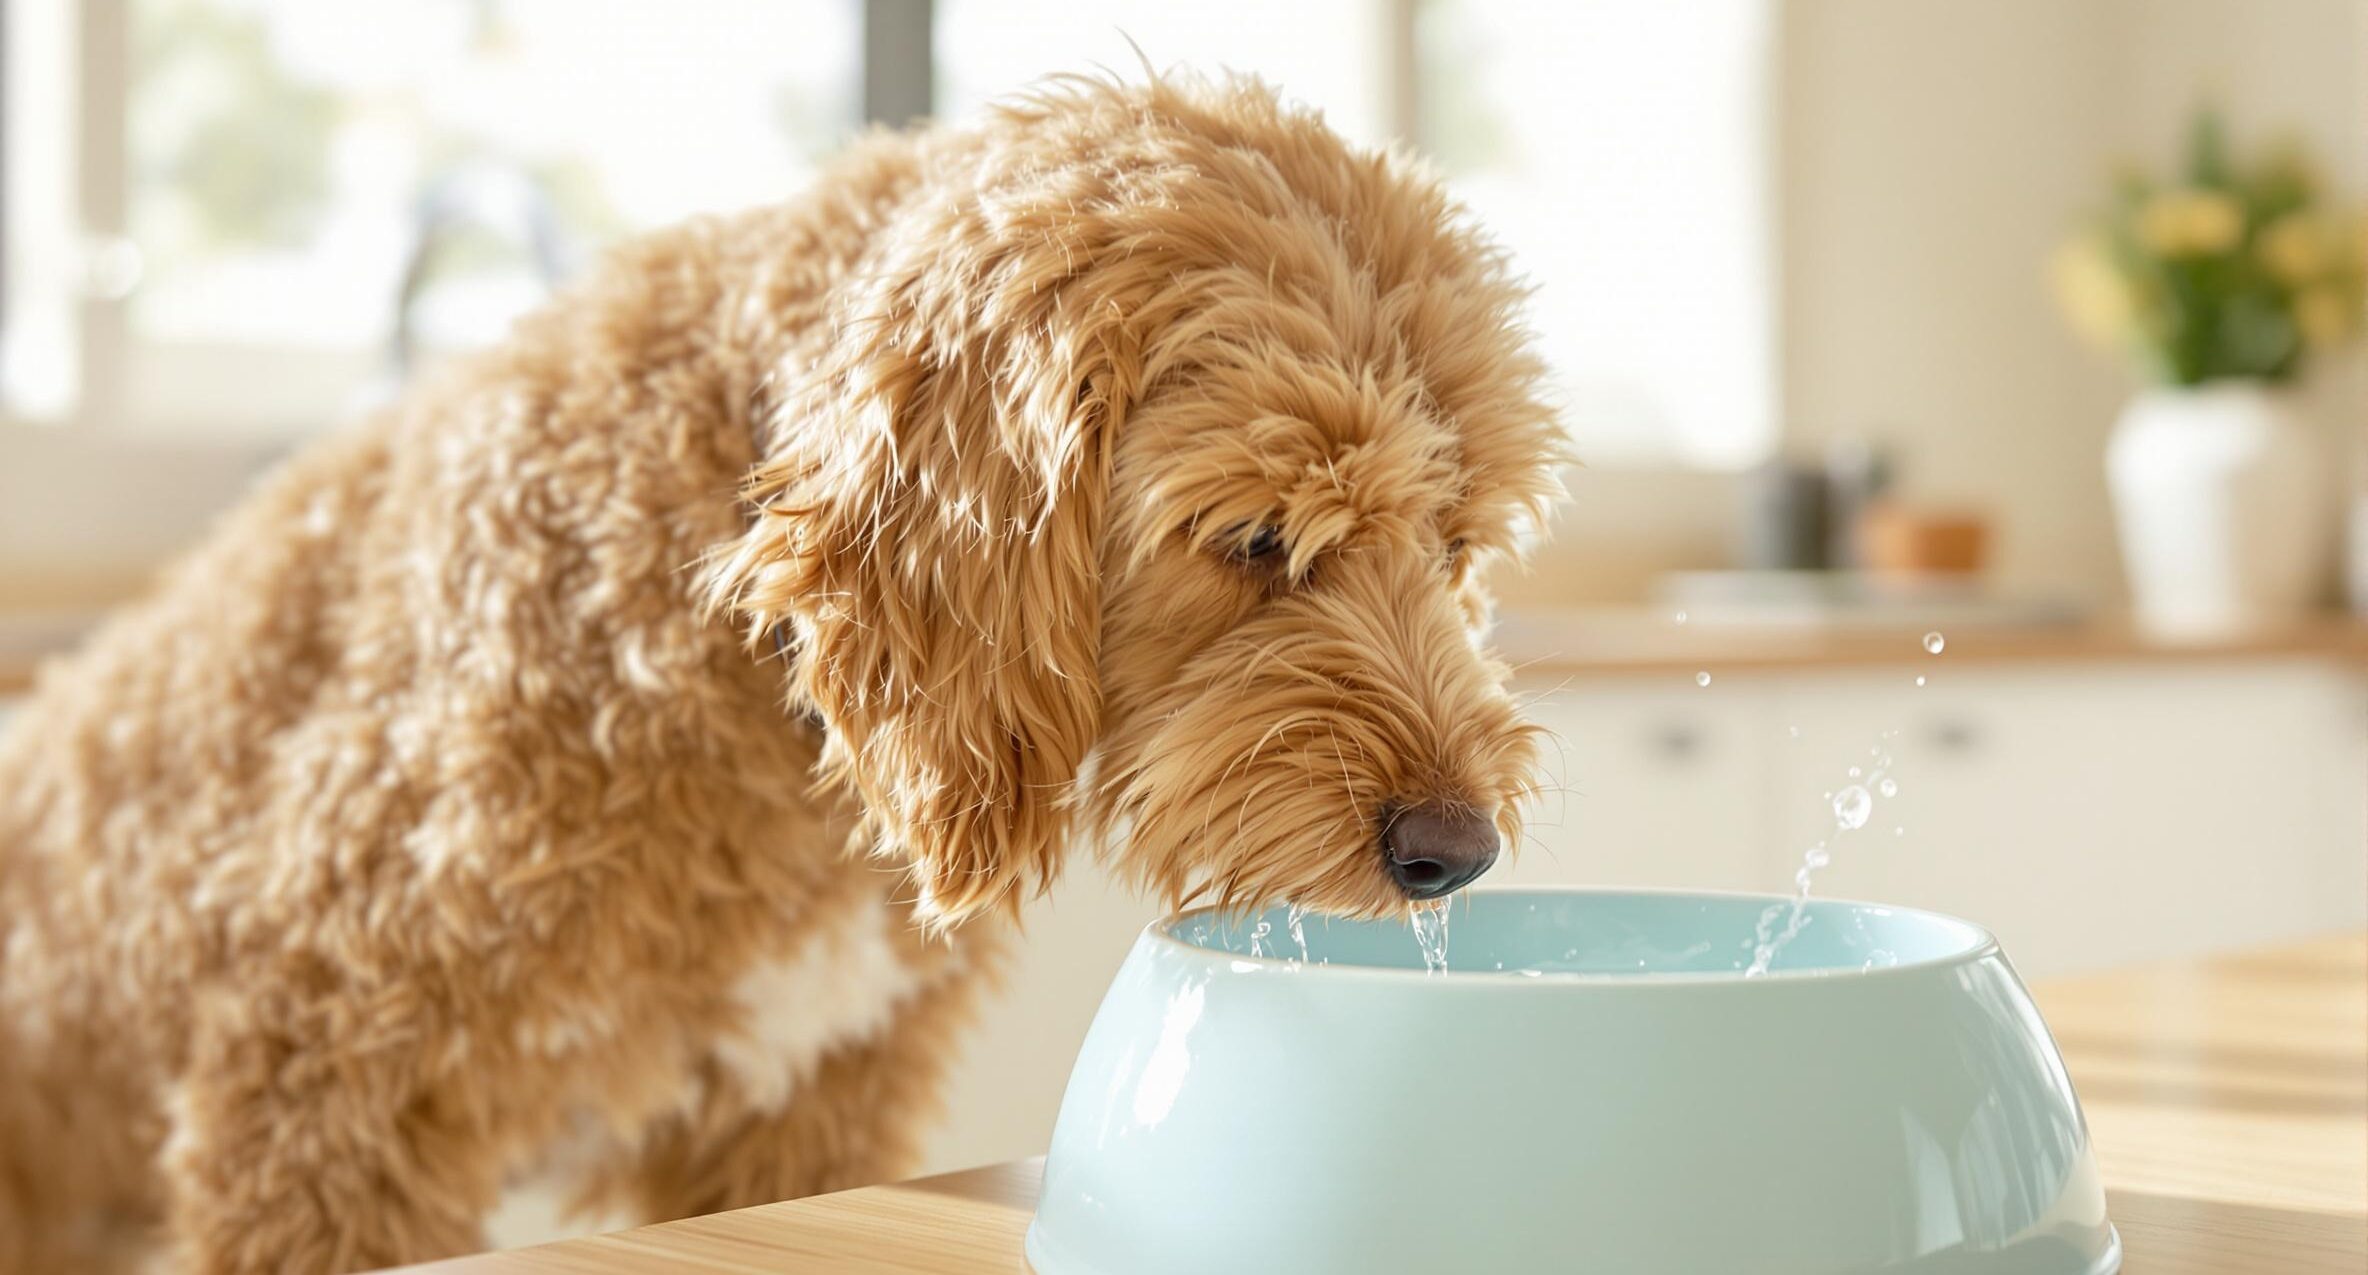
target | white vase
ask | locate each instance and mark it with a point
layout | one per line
(2225, 506)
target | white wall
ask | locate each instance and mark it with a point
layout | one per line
(1933, 154)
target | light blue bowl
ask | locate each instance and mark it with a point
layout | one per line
(1634, 1106)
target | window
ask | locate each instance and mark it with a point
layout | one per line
(262, 172)
(1619, 149)
(211, 204)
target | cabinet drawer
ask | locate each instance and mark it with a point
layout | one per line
(1649, 785)
(2092, 816)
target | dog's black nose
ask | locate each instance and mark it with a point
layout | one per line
(1435, 849)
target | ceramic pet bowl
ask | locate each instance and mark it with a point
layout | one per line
(1591, 1086)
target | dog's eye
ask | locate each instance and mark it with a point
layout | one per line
(1262, 545)
(1455, 554)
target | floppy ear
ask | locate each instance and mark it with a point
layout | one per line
(928, 537)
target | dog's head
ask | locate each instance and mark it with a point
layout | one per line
(1140, 493)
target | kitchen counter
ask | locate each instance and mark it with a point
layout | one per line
(1612, 643)
(28, 637)
(2227, 1096)
(1628, 642)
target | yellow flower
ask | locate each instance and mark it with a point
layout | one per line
(2094, 295)
(2190, 223)
(2294, 248)
(2324, 316)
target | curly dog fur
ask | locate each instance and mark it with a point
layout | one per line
(619, 757)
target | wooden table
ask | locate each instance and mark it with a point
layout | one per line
(2228, 1099)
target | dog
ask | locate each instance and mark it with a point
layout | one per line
(621, 759)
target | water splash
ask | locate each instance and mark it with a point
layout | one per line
(1258, 935)
(1853, 805)
(1430, 931)
(1295, 920)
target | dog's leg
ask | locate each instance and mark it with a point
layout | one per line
(299, 1151)
(856, 1119)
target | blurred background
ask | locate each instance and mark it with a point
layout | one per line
(2029, 325)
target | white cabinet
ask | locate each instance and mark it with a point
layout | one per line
(2099, 816)
(2089, 814)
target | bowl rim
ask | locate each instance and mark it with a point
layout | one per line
(1983, 945)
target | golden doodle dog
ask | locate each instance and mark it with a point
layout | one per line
(620, 758)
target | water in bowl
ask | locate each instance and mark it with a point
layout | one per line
(1525, 933)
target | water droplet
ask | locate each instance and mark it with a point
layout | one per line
(1680, 617)
(1887, 786)
(1935, 643)
(1854, 772)
(1794, 730)
(1852, 805)
(1898, 831)
(1919, 679)
(1702, 678)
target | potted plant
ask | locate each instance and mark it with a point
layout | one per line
(2220, 285)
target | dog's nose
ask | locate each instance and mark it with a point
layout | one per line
(1435, 849)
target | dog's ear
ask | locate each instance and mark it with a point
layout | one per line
(926, 544)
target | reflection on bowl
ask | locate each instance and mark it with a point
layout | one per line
(1592, 1086)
